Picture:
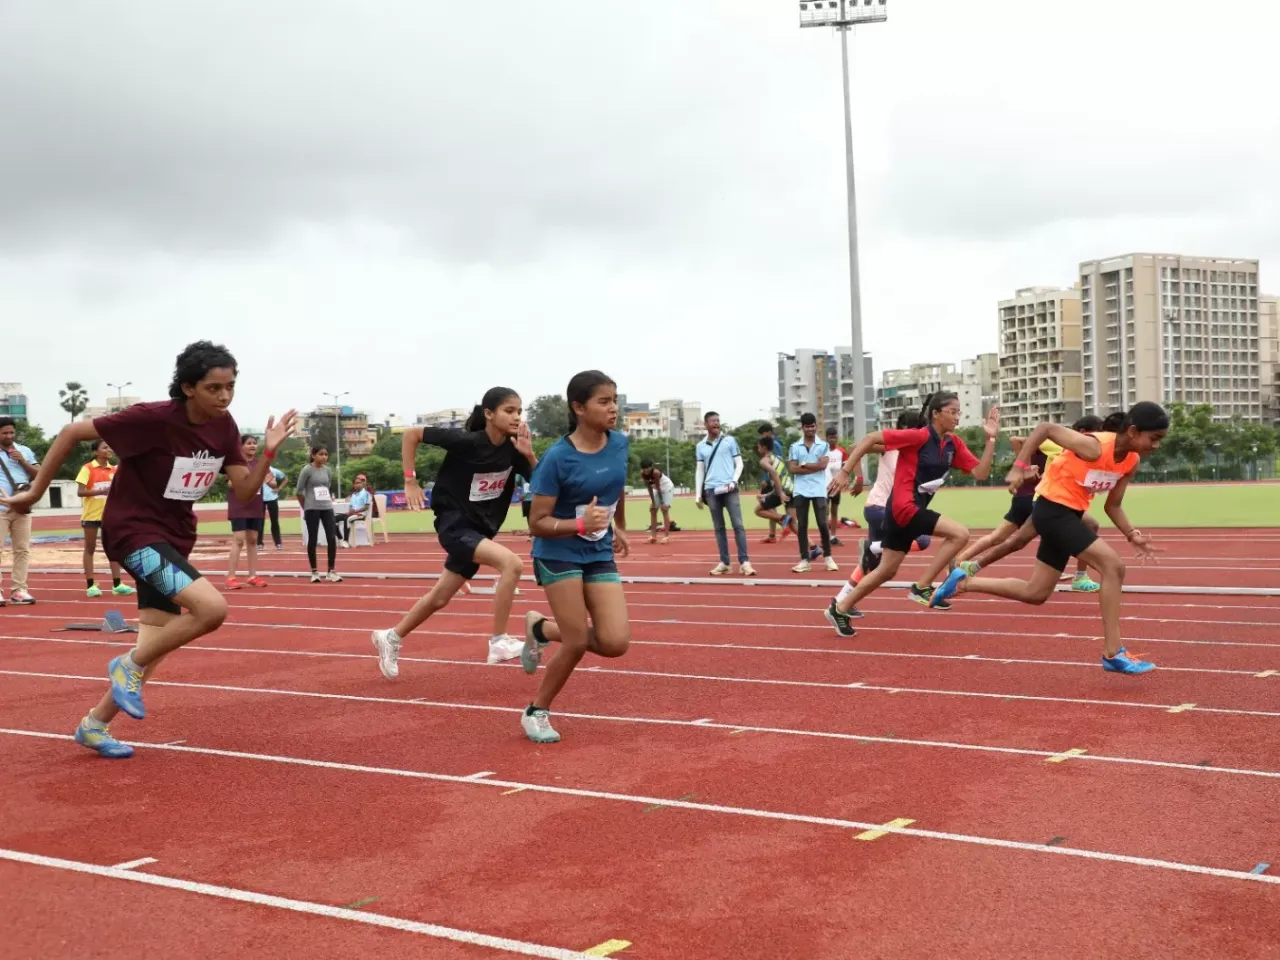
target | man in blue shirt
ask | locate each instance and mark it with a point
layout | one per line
(271, 503)
(809, 458)
(17, 467)
(718, 470)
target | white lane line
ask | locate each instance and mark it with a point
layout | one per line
(690, 805)
(521, 947)
(480, 776)
(131, 864)
(659, 721)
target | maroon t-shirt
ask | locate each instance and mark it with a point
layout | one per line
(241, 509)
(167, 464)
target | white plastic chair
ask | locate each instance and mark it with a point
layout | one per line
(381, 518)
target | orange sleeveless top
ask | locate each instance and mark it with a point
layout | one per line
(1072, 482)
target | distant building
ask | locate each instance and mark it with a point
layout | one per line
(643, 425)
(13, 402)
(907, 389)
(1269, 357)
(1040, 358)
(454, 418)
(355, 435)
(112, 405)
(821, 383)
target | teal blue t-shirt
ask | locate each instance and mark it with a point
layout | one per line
(574, 478)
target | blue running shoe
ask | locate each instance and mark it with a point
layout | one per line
(815, 553)
(1122, 663)
(126, 687)
(99, 739)
(947, 589)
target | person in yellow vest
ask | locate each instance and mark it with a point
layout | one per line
(94, 480)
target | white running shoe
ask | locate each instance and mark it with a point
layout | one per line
(747, 570)
(504, 648)
(832, 565)
(333, 577)
(537, 727)
(316, 578)
(388, 646)
(531, 649)
(801, 567)
(720, 569)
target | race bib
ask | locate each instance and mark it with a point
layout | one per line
(933, 486)
(320, 494)
(488, 486)
(599, 534)
(1100, 481)
(101, 488)
(192, 477)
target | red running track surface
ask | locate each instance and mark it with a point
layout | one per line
(708, 795)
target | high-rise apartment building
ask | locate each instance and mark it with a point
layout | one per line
(1170, 328)
(907, 389)
(1269, 357)
(13, 402)
(352, 426)
(1040, 358)
(821, 383)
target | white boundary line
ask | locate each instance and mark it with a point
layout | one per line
(303, 906)
(133, 864)
(705, 723)
(774, 815)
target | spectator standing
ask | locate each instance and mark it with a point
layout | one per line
(718, 470)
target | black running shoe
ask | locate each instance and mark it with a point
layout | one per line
(924, 596)
(840, 620)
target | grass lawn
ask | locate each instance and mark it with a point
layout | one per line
(1148, 505)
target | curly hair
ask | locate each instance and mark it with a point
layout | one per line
(195, 362)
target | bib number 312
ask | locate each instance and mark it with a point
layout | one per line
(192, 477)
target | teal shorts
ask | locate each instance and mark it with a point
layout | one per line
(546, 572)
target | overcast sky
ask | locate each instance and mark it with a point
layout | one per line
(413, 201)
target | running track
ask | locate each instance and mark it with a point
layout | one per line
(710, 793)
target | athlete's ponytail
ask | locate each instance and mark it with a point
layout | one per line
(1091, 423)
(580, 390)
(493, 398)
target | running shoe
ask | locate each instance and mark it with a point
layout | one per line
(333, 577)
(653, 539)
(970, 567)
(832, 566)
(315, 577)
(98, 738)
(770, 539)
(948, 588)
(1, 598)
(388, 646)
(720, 569)
(123, 590)
(126, 687)
(802, 567)
(531, 650)
(537, 726)
(232, 584)
(747, 570)
(256, 582)
(504, 648)
(840, 620)
(1123, 663)
(21, 598)
(664, 541)
(925, 598)
(837, 542)
(815, 553)
(1083, 583)
(94, 592)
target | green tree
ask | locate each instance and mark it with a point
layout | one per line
(324, 434)
(548, 416)
(74, 399)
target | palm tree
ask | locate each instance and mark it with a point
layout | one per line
(74, 399)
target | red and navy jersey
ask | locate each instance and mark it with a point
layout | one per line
(923, 461)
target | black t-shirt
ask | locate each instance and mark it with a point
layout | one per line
(475, 479)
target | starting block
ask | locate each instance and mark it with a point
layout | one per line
(113, 622)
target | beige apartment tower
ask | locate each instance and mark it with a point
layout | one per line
(1040, 359)
(1172, 329)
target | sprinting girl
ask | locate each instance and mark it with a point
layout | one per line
(470, 501)
(170, 453)
(247, 519)
(780, 487)
(1090, 464)
(991, 548)
(925, 456)
(662, 493)
(578, 522)
(873, 510)
(93, 484)
(314, 492)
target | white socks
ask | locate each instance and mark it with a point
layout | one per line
(844, 592)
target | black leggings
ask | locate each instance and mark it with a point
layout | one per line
(802, 524)
(314, 519)
(273, 514)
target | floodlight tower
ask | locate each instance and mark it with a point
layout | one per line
(843, 15)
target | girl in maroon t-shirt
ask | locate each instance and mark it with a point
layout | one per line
(170, 453)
